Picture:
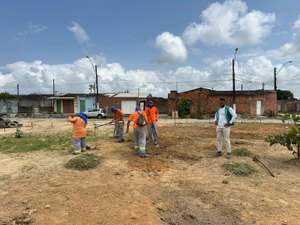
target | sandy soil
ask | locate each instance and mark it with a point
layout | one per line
(180, 183)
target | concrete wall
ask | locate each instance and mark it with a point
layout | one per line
(89, 102)
(8, 106)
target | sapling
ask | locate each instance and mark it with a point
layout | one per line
(291, 139)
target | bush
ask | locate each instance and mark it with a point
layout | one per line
(239, 169)
(83, 162)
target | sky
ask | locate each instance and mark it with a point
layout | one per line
(148, 46)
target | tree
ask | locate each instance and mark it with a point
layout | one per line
(284, 95)
(184, 108)
(290, 140)
(7, 95)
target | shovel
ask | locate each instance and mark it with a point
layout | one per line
(256, 158)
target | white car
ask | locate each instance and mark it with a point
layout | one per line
(96, 113)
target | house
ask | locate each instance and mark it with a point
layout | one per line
(125, 101)
(73, 103)
(205, 101)
(288, 106)
(26, 104)
(35, 103)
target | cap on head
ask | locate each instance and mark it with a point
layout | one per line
(138, 109)
(150, 103)
(114, 108)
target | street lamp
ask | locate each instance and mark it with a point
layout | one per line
(276, 73)
(97, 89)
(233, 79)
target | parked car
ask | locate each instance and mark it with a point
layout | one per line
(96, 113)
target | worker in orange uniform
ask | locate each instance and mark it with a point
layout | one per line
(79, 132)
(152, 117)
(139, 128)
(119, 123)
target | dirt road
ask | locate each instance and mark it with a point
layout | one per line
(180, 182)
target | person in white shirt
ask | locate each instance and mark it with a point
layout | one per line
(224, 118)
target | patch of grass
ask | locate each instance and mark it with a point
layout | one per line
(35, 142)
(83, 162)
(242, 152)
(239, 169)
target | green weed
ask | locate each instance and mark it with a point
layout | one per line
(239, 169)
(242, 152)
(83, 162)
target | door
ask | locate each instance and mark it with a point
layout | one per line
(58, 106)
(258, 108)
(82, 105)
(128, 107)
(68, 106)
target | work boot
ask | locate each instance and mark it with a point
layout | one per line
(228, 155)
(219, 153)
(142, 154)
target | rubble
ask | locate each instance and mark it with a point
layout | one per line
(7, 123)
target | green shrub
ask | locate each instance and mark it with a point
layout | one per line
(83, 162)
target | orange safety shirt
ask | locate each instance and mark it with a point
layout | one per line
(79, 127)
(134, 117)
(119, 116)
(152, 114)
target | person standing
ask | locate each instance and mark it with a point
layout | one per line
(224, 118)
(79, 132)
(119, 123)
(139, 131)
(152, 117)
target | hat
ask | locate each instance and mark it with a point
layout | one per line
(151, 103)
(114, 108)
(138, 109)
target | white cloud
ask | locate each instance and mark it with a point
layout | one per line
(35, 28)
(80, 34)
(32, 29)
(290, 50)
(172, 48)
(37, 77)
(229, 24)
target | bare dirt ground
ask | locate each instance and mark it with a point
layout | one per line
(180, 183)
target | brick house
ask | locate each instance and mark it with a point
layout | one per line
(288, 105)
(205, 101)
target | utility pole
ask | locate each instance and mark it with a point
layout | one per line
(18, 90)
(275, 79)
(233, 79)
(53, 85)
(97, 87)
(277, 72)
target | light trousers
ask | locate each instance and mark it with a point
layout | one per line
(140, 139)
(223, 132)
(79, 144)
(152, 133)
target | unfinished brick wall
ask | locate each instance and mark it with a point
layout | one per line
(206, 101)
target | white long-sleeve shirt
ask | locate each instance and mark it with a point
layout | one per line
(222, 120)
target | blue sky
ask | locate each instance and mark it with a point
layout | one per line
(148, 46)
